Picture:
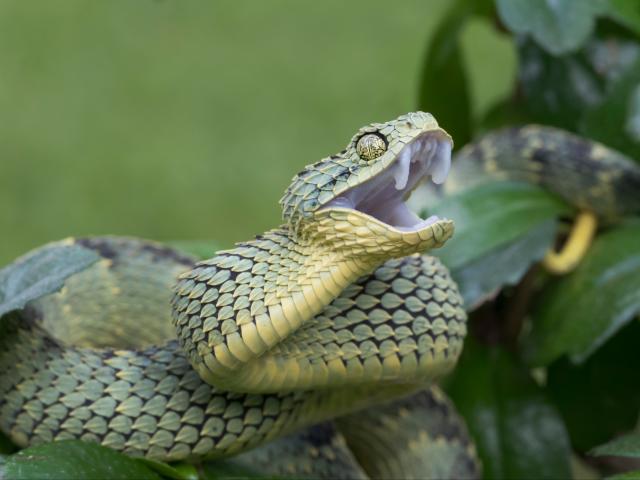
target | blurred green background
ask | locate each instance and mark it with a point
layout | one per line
(186, 120)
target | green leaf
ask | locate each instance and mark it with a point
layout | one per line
(634, 475)
(561, 91)
(444, 89)
(509, 111)
(73, 459)
(176, 471)
(40, 273)
(616, 120)
(557, 90)
(596, 399)
(517, 431)
(559, 26)
(491, 215)
(5, 445)
(579, 312)
(626, 446)
(625, 12)
(481, 279)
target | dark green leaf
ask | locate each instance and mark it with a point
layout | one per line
(444, 89)
(560, 91)
(492, 215)
(5, 445)
(73, 459)
(517, 431)
(507, 112)
(616, 120)
(176, 471)
(559, 26)
(557, 90)
(635, 475)
(579, 312)
(505, 265)
(626, 446)
(625, 12)
(597, 399)
(40, 273)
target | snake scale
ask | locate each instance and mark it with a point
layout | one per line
(316, 342)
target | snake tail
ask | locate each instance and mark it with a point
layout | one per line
(575, 247)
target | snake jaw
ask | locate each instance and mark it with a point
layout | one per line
(382, 197)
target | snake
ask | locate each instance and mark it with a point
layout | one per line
(312, 350)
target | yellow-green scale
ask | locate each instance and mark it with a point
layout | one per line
(150, 402)
(234, 310)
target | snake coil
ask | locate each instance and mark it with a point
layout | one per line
(335, 315)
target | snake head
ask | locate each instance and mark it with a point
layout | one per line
(356, 198)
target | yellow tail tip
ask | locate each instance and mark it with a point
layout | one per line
(576, 246)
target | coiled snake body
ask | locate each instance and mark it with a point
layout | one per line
(334, 314)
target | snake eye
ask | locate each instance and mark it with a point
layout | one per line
(371, 146)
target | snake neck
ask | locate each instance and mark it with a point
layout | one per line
(233, 308)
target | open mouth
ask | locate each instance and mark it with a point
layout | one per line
(383, 196)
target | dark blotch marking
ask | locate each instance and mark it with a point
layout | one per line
(450, 428)
(581, 149)
(113, 249)
(320, 435)
(31, 315)
(474, 151)
(104, 248)
(541, 157)
(167, 253)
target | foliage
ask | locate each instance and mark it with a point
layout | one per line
(547, 21)
(571, 318)
(549, 369)
(625, 446)
(566, 344)
(40, 274)
(501, 228)
(508, 415)
(596, 398)
(73, 459)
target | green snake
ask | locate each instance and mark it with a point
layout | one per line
(309, 350)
